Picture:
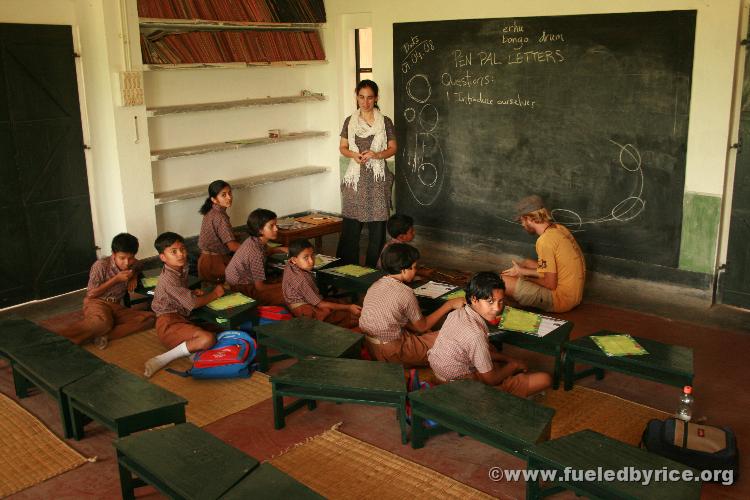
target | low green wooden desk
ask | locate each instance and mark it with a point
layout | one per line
(18, 334)
(146, 293)
(300, 337)
(341, 380)
(51, 367)
(269, 483)
(487, 414)
(668, 364)
(328, 278)
(181, 461)
(551, 344)
(121, 402)
(586, 452)
(227, 319)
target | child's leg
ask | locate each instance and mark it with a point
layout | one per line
(211, 267)
(414, 348)
(129, 321)
(304, 311)
(344, 319)
(181, 337)
(97, 321)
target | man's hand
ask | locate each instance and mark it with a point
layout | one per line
(514, 270)
(218, 291)
(355, 309)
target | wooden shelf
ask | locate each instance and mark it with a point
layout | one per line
(232, 65)
(244, 103)
(244, 183)
(163, 154)
(179, 25)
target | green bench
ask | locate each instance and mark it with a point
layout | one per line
(269, 483)
(489, 415)
(590, 453)
(184, 461)
(121, 402)
(551, 344)
(51, 367)
(300, 337)
(668, 364)
(227, 319)
(341, 380)
(328, 279)
(18, 334)
(146, 293)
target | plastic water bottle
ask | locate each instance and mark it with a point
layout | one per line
(685, 409)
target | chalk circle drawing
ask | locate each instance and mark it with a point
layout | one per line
(428, 117)
(623, 211)
(410, 114)
(418, 88)
(426, 163)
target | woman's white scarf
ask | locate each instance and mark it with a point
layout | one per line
(360, 128)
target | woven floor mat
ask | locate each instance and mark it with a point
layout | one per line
(29, 452)
(584, 408)
(339, 466)
(208, 400)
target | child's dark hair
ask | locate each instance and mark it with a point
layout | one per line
(257, 219)
(213, 191)
(399, 224)
(369, 84)
(481, 285)
(167, 239)
(399, 256)
(296, 246)
(125, 242)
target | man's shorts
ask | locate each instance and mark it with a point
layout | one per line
(533, 295)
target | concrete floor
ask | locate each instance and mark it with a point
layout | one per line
(719, 336)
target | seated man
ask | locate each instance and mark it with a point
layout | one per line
(463, 351)
(554, 282)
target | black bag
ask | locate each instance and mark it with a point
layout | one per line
(702, 447)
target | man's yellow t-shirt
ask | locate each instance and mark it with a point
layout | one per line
(558, 252)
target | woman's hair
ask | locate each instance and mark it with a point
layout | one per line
(257, 220)
(398, 257)
(213, 191)
(369, 84)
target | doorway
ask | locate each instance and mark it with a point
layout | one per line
(48, 238)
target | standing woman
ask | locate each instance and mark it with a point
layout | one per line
(216, 240)
(367, 138)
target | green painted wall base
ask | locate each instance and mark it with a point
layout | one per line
(701, 215)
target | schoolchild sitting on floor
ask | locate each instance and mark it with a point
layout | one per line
(216, 239)
(104, 316)
(462, 349)
(401, 230)
(246, 272)
(301, 293)
(173, 302)
(391, 317)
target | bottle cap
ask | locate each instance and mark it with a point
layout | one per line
(687, 389)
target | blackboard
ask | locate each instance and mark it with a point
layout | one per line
(588, 111)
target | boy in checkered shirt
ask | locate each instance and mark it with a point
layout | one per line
(396, 331)
(462, 349)
(301, 293)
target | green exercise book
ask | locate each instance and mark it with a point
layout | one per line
(618, 345)
(229, 301)
(519, 321)
(352, 270)
(149, 282)
(454, 294)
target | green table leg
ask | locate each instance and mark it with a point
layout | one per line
(278, 409)
(533, 490)
(557, 373)
(262, 358)
(401, 414)
(127, 486)
(20, 384)
(568, 369)
(417, 430)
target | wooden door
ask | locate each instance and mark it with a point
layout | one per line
(46, 222)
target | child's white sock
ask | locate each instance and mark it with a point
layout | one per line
(156, 363)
